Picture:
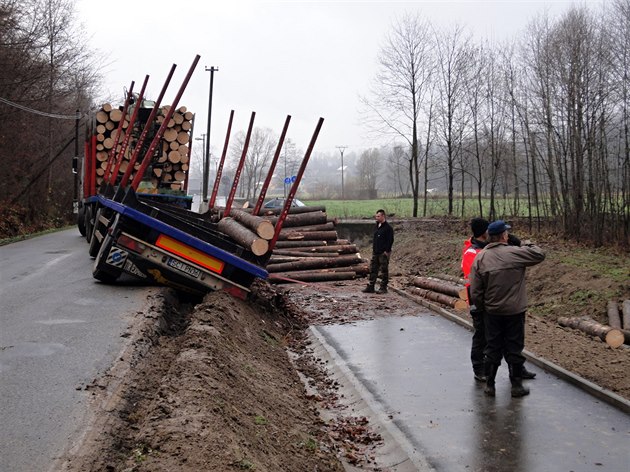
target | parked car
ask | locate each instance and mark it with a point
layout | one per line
(279, 203)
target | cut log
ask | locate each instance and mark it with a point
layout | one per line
(258, 225)
(347, 249)
(614, 320)
(442, 298)
(292, 244)
(314, 276)
(308, 236)
(244, 236)
(293, 253)
(611, 336)
(329, 226)
(102, 117)
(170, 135)
(316, 263)
(115, 115)
(451, 278)
(292, 210)
(625, 309)
(107, 107)
(183, 137)
(301, 219)
(437, 286)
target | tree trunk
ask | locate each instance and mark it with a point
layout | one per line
(300, 244)
(258, 225)
(611, 336)
(243, 236)
(437, 286)
(337, 249)
(329, 226)
(453, 302)
(315, 263)
(294, 253)
(301, 219)
(614, 320)
(625, 308)
(314, 276)
(308, 236)
(292, 210)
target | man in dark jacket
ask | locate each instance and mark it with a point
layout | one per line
(497, 286)
(381, 250)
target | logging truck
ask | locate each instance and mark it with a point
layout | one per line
(135, 214)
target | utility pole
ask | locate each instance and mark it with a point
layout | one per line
(341, 150)
(206, 164)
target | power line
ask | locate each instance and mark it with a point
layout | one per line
(42, 113)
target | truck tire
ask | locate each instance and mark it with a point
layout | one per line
(81, 220)
(89, 222)
(102, 271)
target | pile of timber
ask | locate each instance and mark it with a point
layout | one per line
(307, 250)
(446, 292)
(615, 333)
(169, 164)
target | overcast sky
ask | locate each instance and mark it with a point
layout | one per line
(307, 59)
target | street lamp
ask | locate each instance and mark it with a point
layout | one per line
(341, 150)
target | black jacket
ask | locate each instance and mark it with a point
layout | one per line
(383, 238)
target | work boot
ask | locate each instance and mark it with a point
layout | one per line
(516, 377)
(479, 374)
(527, 375)
(491, 374)
(368, 289)
(382, 289)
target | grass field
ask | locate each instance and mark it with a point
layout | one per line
(403, 207)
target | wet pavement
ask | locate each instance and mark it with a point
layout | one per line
(416, 369)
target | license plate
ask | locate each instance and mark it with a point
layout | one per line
(181, 266)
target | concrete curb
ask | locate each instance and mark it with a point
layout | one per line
(599, 392)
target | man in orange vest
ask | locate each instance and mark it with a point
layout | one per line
(472, 247)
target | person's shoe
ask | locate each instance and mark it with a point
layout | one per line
(527, 375)
(517, 388)
(368, 289)
(491, 374)
(382, 290)
(480, 376)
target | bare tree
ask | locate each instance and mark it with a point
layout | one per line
(369, 166)
(262, 146)
(398, 96)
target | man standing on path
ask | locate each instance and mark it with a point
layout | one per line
(472, 247)
(381, 250)
(497, 286)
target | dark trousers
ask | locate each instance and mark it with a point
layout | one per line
(505, 337)
(379, 263)
(478, 341)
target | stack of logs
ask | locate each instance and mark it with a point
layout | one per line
(447, 292)
(307, 250)
(171, 161)
(615, 333)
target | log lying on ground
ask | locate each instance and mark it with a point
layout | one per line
(308, 236)
(302, 229)
(294, 253)
(625, 309)
(453, 302)
(258, 225)
(611, 336)
(243, 236)
(614, 320)
(312, 276)
(451, 278)
(437, 286)
(315, 263)
(345, 249)
(299, 243)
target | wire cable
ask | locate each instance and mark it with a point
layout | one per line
(42, 113)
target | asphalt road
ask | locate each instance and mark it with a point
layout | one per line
(59, 329)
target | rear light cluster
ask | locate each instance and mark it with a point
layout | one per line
(131, 244)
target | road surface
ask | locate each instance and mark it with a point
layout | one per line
(59, 329)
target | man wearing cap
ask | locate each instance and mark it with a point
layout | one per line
(497, 287)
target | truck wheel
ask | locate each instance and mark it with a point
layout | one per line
(101, 270)
(81, 220)
(89, 222)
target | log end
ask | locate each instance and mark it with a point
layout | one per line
(614, 338)
(260, 247)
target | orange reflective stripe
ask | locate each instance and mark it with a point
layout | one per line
(189, 253)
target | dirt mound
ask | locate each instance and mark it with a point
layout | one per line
(215, 392)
